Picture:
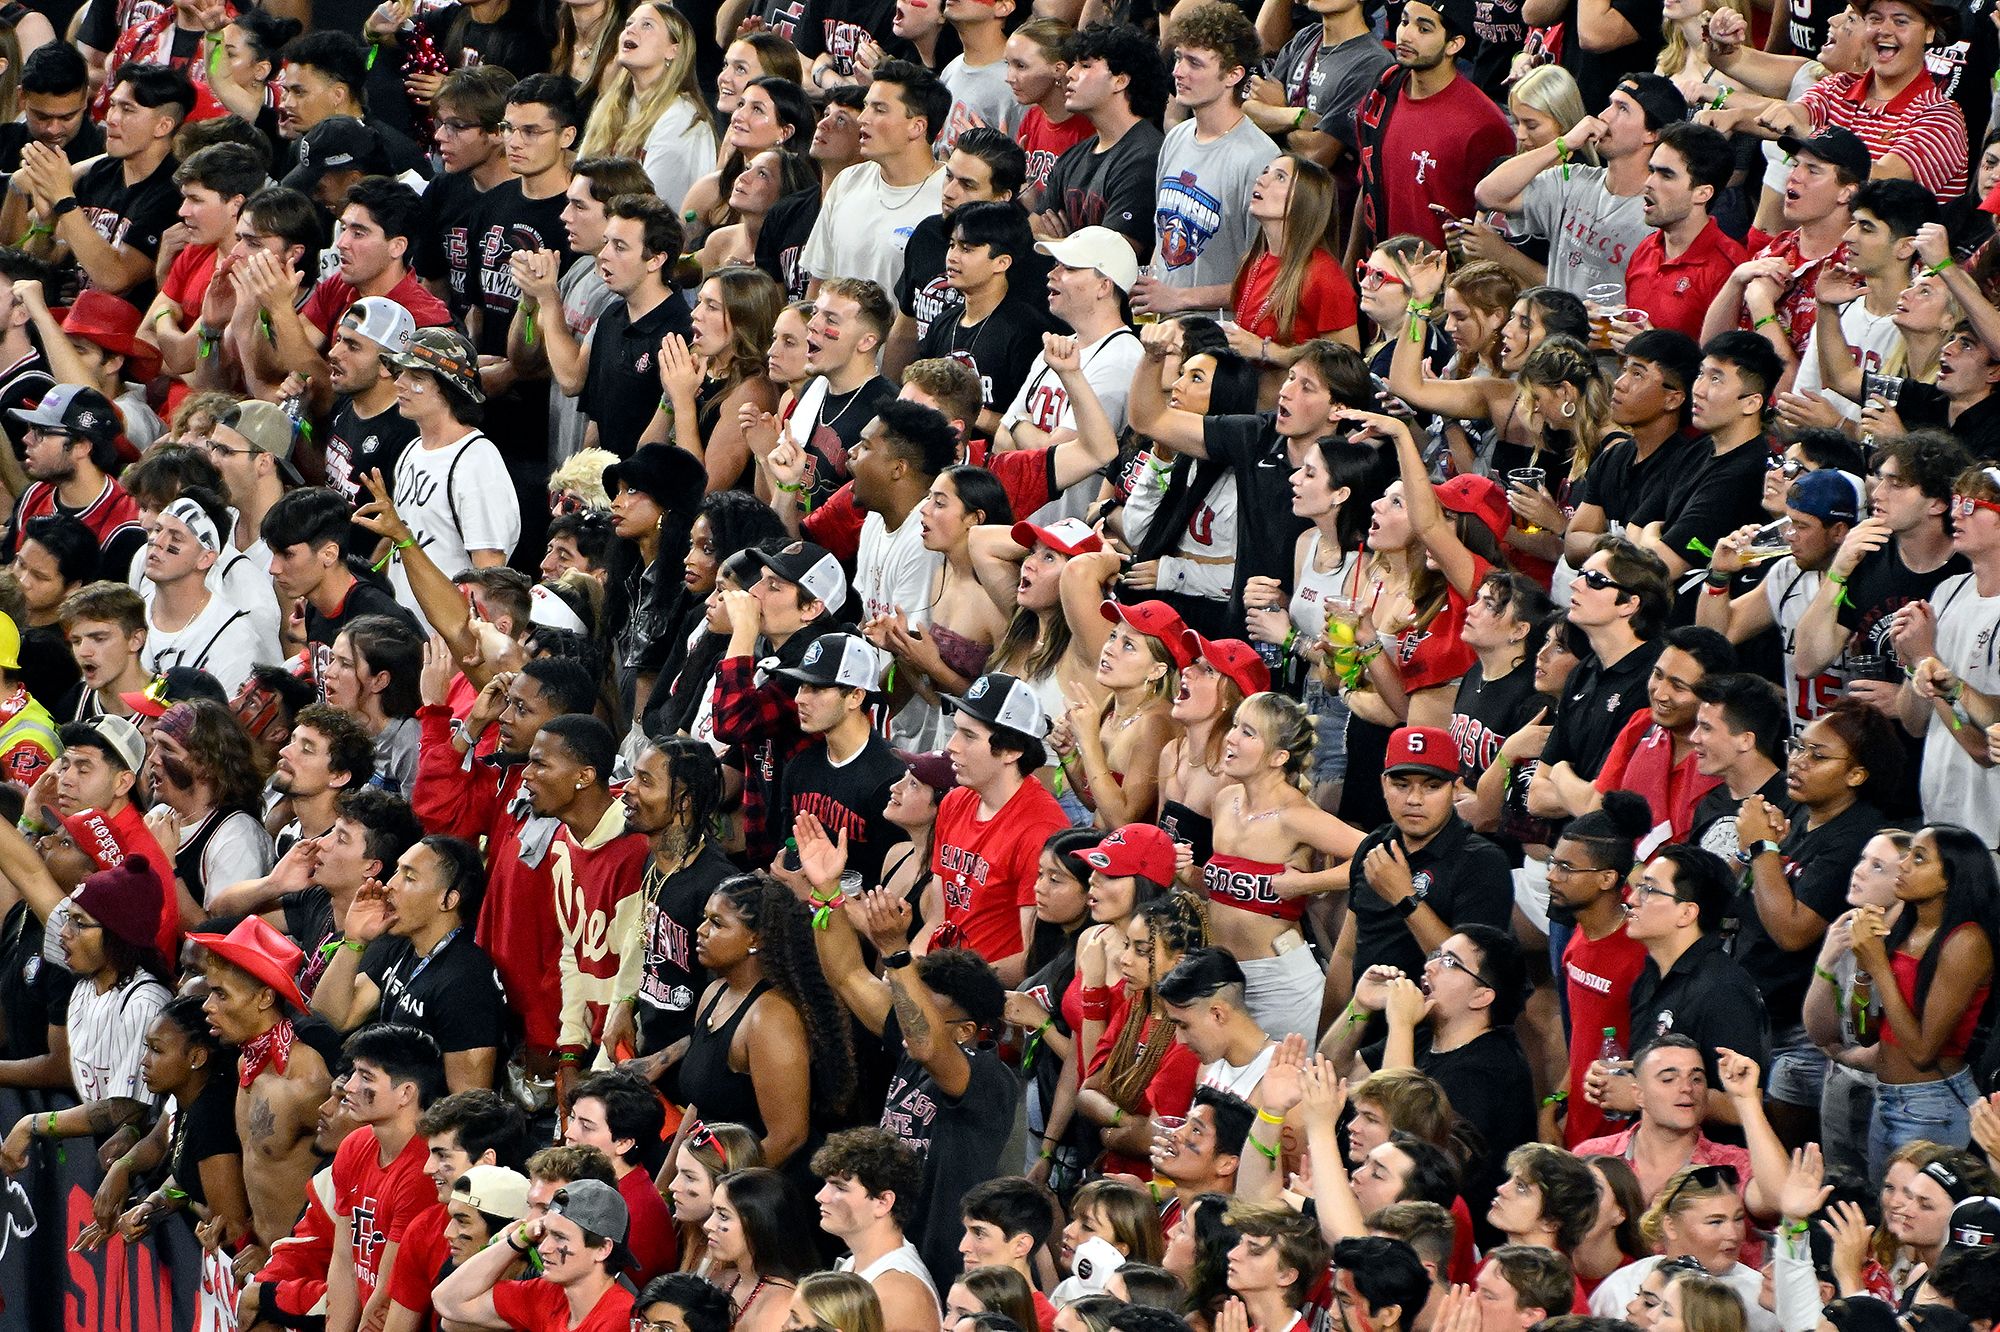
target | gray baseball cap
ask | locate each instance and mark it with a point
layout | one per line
(595, 1206)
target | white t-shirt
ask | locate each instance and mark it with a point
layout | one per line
(907, 1260)
(1954, 788)
(456, 499)
(1108, 365)
(1238, 1080)
(1870, 337)
(680, 150)
(1616, 1291)
(864, 224)
(240, 577)
(107, 1036)
(222, 640)
(1788, 590)
(893, 570)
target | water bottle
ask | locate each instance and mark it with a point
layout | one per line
(1612, 1052)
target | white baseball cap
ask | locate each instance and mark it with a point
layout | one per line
(999, 699)
(1100, 248)
(383, 322)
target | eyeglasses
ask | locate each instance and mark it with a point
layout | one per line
(1451, 961)
(1704, 1178)
(221, 450)
(72, 925)
(1564, 868)
(644, 1324)
(1964, 506)
(1799, 749)
(40, 432)
(529, 132)
(1644, 889)
(1597, 580)
(460, 126)
(1371, 278)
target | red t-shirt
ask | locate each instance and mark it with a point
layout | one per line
(1676, 293)
(536, 1305)
(988, 868)
(1170, 1092)
(421, 1258)
(650, 1235)
(1642, 760)
(1326, 301)
(1436, 653)
(379, 1201)
(1598, 975)
(186, 285)
(1045, 1313)
(1435, 151)
(330, 299)
(1044, 142)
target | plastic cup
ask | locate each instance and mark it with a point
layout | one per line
(1526, 478)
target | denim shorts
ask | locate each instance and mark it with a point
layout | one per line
(1907, 1112)
(1329, 716)
(1798, 1068)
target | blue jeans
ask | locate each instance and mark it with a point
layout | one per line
(1908, 1112)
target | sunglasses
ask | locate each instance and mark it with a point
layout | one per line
(1964, 506)
(1791, 467)
(1704, 1178)
(702, 1136)
(1597, 580)
(1451, 961)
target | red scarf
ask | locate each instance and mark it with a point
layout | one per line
(273, 1048)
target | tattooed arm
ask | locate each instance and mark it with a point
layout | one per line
(928, 1035)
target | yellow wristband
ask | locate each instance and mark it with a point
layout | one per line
(1267, 1117)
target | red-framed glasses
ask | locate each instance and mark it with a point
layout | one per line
(1370, 277)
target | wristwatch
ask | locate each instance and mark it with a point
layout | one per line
(1408, 906)
(67, 204)
(1756, 849)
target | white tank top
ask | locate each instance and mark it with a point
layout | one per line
(1308, 606)
(906, 1260)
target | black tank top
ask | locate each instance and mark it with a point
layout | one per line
(194, 845)
(1184, 825)
(723, 1095)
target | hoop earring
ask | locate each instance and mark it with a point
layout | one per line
(1569, 410)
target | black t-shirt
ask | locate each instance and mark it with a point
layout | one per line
(1252, 448)
(309, 923)
(1622, 484)
(921, 291)
(850, 796)
(516, 43)
(1806, 24)
(1596, 704)
(444, 252)
(1487, 711)
(1818, 863)
(621, 388)
(1712, 497)
(1977, 427)
(454, 994)
(357, 445)
(839, 28)
(960, 1139)
(1715, 815)
(34, 993)
(366, 597)
(1116, 188)
(672, 978)
(1489, 1086)
(504, 221)
(842, 418)
(1880, 586)
(999, 348)
(134, 216)
(47, 667)
(783, 238)
(88, 142)
(204, 1129)
(1598, 72)
(1458, 874)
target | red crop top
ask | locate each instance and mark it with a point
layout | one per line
(1955, 1045)
(1246, 885)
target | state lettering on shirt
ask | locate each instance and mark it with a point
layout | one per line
(965, 872)
(1587, 979)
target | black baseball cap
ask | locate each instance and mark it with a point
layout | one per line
(1657, 97)
(1837, 147)
(338, 143)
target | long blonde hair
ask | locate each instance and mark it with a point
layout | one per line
(1674, 50)
(1308, 219)
(1897, 362)
(1552, 90)
(611, 132)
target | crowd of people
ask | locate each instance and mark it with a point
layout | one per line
(1413, 745)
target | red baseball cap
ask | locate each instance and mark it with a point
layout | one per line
(1233, 659)
(1071, 536)
(1137, 848)
(93, 836)
(1425, 749)
(1482, 497)
(1154, 619)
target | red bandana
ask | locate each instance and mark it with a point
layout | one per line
(273, 1048)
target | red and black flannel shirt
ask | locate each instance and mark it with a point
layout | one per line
(762, 721)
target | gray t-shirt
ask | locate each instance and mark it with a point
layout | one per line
(1329, 81)
(979, 96)
(1591, 231)
(584, 298)
(1202, 223)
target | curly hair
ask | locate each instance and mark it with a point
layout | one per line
(219, 752)
(791, 963)
(879, 1162)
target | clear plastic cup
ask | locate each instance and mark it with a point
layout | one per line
(1526, 478)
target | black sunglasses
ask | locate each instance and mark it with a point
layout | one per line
(1704, 1178)
(1597, 580)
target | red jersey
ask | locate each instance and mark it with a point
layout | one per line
(536, 1305)
(1642, 760)
(296, 1269)
(330, 299)
(1920, 125)
(110, 515)
(1027, 475)
(1044, 142)
(650, 1236)
(1326, 301)
(1598, 976)
(419, 1261)
(1676, 293)
(1797, 308)
(1415, 153)
(988, 868)
(378, 1201)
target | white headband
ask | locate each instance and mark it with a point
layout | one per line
(551, 611)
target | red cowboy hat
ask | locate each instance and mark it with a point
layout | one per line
(112, 324)
(261, 951)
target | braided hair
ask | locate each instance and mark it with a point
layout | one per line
(791, 963)
(1176, 922)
